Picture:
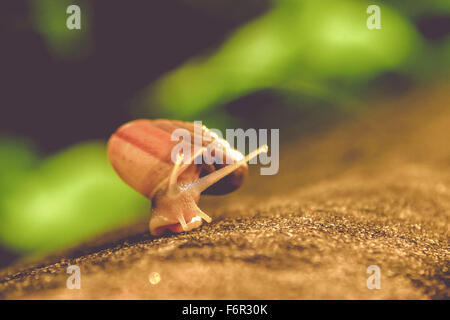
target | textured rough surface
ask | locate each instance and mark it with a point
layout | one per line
(373, 190)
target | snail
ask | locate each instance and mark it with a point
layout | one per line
(140, 152)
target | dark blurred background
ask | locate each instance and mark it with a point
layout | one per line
(297, 65)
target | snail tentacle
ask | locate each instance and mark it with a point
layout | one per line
(203, 215)
(183, 222)
(172, 189)
(179, 168)
(203, 183)
(186, 165)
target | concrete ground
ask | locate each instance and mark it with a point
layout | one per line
(371, 190)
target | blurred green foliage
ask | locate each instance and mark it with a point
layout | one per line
(17, 159)
(306, 46)
(49, 19)
(67, 198)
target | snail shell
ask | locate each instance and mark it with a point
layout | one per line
(140, 152)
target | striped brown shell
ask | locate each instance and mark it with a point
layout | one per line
(140, 153)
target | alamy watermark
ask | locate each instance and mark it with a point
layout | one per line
(228, 149)
(374, 20)
(73, 21)
(74, 280)
(374, 280)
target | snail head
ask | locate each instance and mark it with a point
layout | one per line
(174, 205)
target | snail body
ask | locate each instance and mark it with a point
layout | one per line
(140, 152)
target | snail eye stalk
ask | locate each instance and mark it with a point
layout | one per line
(179, 168)
(203, 183)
